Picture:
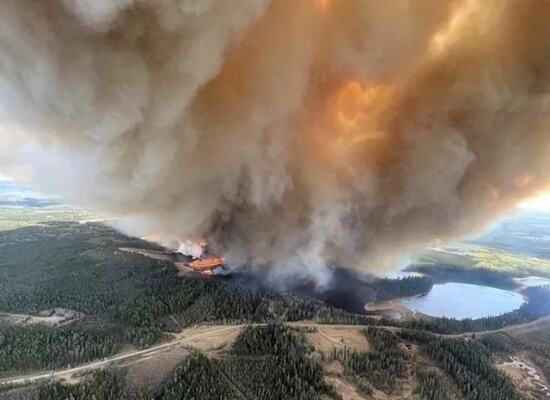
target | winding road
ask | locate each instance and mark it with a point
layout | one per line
(181, 340)
(189, 339)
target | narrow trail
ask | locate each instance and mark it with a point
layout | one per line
(506, 329)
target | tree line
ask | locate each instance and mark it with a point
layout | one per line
(389, 289)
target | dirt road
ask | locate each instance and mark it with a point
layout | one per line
(206, 338)
(507, 329)
(180, 340)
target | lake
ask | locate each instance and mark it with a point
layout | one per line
(461, 301)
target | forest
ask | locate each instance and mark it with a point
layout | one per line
(467, 363)
(477, 276)
(389, 289)
(126, 299)
(462, 369)
(381, 367)
(24, 349)
(433, 385)
(130, 300)
(271, 362)
(275, 362)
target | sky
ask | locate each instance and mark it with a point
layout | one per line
(14, 193)
(540, 202)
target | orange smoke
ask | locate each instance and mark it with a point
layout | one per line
(322, 4)
(358, 102)
(524, 181)
(354, 125)
(295, 133)
(494, 193)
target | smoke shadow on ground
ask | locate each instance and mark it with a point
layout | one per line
(345, 290)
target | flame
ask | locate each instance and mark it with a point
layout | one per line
(207, 263)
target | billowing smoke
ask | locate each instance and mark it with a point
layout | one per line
(296, 133)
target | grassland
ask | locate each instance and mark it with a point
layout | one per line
(18, 217)
(514, 265)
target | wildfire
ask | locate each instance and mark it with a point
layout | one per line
(205, 264)
(202, 260)
(193, 248)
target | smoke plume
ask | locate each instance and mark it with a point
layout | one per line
(295, 133)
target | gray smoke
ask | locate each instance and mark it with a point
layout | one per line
(295, 133)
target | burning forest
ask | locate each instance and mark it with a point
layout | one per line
(187, 256)
(292, 133)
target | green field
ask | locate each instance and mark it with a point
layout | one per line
(18, 217)
(515, 265)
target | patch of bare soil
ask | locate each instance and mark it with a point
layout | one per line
(149, 372)
(391, 309)
(209, 338)
(526, 376)
(51, 317)
(334, 375)
(327, 338)
(407, 384)
(344, 389)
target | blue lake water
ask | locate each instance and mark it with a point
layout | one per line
(461, 301)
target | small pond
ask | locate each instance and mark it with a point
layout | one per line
(461, 301)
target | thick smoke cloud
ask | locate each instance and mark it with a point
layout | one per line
(299, 133)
